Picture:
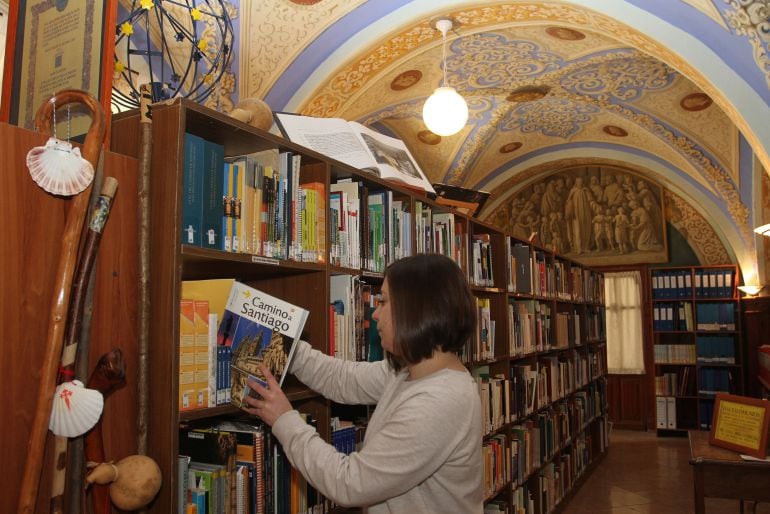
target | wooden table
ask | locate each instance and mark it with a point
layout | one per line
(721, 473)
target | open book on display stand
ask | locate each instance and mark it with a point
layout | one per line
(355, 145)
(465, 200)
(260, 329)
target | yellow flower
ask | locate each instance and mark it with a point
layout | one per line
(119, 67)
(147, 4)
(195, 14)
(202, 45)
(126, 28)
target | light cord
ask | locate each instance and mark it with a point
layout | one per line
(443, 54)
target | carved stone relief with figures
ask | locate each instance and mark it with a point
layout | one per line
(597, 215)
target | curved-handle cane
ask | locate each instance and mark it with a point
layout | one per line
(61, 293)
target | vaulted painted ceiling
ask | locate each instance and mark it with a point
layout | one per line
(675, 90)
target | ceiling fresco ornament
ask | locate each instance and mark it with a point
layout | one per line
(405, 80)
(493, 56)
(476, 142)
(622, 78)
(751, 18)
(615, 131)
(510, 147)
(696, 230)
(565, 33)
(696, 102)
(285, 28)
(333, 94)
(552, 116)
(428, 137)
(528, 94)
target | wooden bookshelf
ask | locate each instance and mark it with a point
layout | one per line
(564, 288)
(696, 330)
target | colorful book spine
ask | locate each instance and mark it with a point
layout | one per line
(192, 201)
(227, 207)
(201, 351)
(187, 398)
(211, 193)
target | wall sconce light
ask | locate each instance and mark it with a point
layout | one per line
(764, 230)
(751, 290)
(445, 111)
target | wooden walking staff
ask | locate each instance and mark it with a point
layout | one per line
(74, 318)
(61, 293)
(145, 163)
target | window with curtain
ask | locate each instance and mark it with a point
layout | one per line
(623, 301)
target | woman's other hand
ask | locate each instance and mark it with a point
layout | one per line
(272, 402)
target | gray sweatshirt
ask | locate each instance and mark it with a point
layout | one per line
(422, 449)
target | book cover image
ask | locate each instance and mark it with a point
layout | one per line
(260, 329)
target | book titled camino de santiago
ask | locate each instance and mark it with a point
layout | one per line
(260, 329)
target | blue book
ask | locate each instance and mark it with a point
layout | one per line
(192, 202)
(211, 192)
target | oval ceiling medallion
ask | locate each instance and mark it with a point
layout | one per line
(528, 94)
(510, 147)
(565, 34)
(406, 80)
(696, 102)
(428, 137)
(614, 130)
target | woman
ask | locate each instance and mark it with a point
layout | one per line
(422, 449)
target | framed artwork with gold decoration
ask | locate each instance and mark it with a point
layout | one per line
(740, 424)
(57, 45)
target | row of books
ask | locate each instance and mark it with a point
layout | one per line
(234, 467)
(227, 329)
(535, 386)
(481, 346)
(715, 349)
(715, 316)
(345, 436)
(676, 383)
(543, 491)
(698, 283)
(253, 204)
(368, 228)
(533, 328)
(715, 380)
(439, 232)
(567, 329)
(529, 322)
(596, 326)
(665, 412)
(496, 453)
(536, 441)
(674, 354)
(352, 331)
(706, 414)
(201, 363)
(667, 316)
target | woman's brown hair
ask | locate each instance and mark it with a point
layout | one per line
(432, 307)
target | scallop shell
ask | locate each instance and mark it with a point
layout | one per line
(59, 168)
(75, 409)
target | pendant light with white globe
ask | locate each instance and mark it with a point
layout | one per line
(445, 111)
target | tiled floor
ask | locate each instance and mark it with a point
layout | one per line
(648, 474)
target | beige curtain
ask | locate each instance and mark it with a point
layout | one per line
(623, 300)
